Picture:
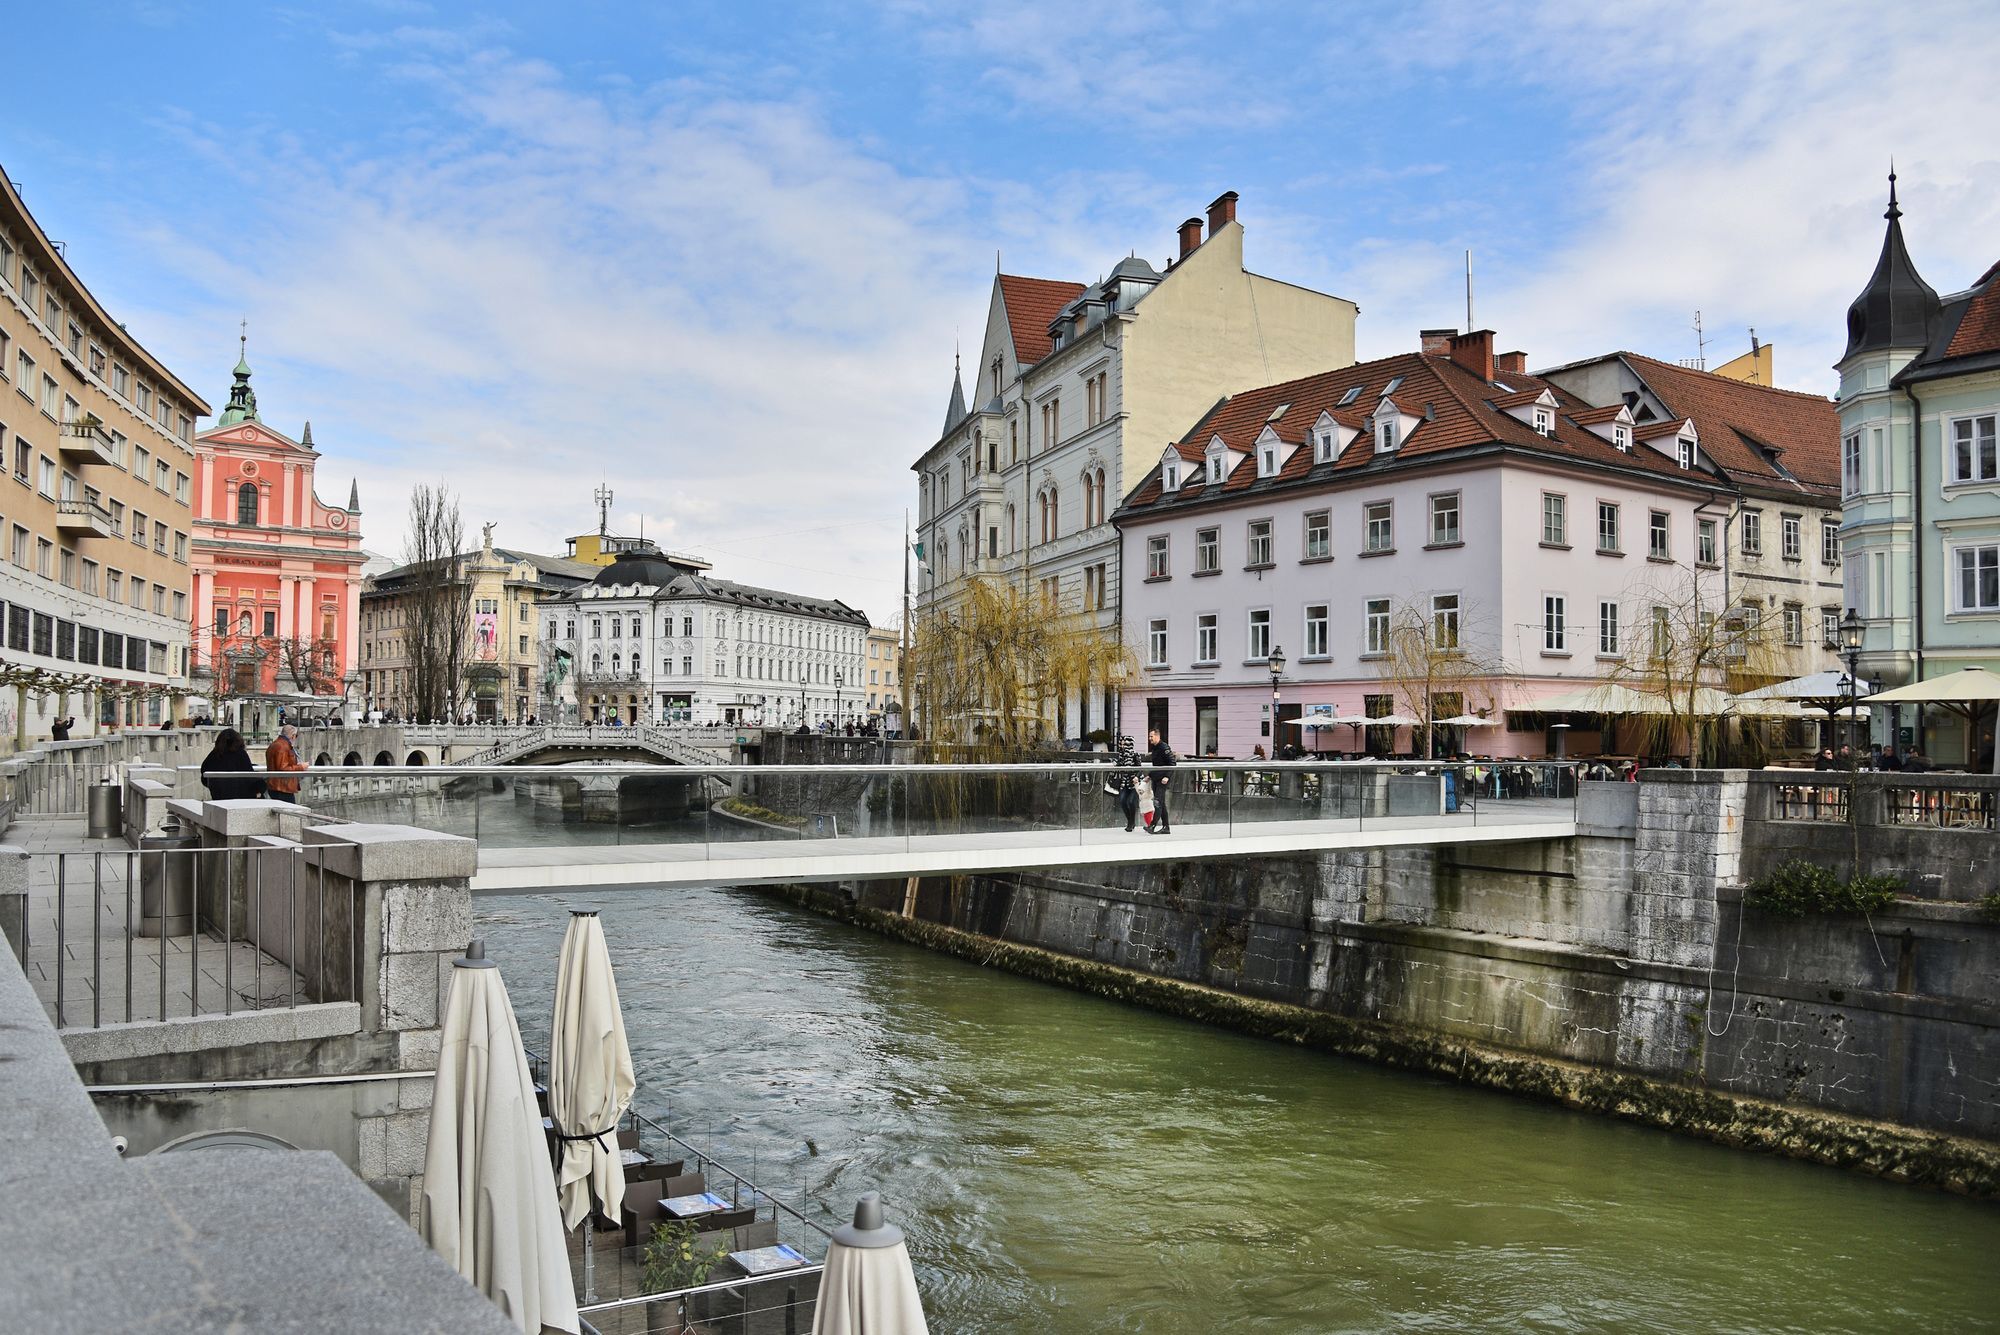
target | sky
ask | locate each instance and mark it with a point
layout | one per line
(717, 258)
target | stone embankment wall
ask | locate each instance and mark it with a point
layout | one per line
(1617, 971)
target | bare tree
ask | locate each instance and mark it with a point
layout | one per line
(1431, 664)
(309, 663)
(438, 599)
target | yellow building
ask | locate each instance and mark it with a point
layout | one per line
(601, 549)
(884, 670)
(97, 437)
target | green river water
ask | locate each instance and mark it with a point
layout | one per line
(1062, 1163)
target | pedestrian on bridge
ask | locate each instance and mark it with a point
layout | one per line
(1126, 783)
(1162, 758)
(282, 757)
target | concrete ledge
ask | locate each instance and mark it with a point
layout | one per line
(239, 818)
(14, 895)
(1607, 810)
(154, 1038)
(390, 852)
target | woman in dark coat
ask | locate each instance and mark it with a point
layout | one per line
(222, 766)
(1126, 781)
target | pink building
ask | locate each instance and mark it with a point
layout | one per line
(277, 573)
(1530, 539)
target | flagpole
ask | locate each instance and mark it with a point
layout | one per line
(903, 668)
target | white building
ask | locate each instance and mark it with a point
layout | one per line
(1524, 530)
(1075, 390)
(656, 638)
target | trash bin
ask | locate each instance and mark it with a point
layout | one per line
(107, 809)
(166, 884)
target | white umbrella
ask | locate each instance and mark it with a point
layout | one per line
(1386, 721)
(1830, 684)
(868, 1287)
(590, 1079)
(1468, 721)
(489, 1203)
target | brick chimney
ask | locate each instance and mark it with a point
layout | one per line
(1223, 210)
(1436, 342)
(1514, 363)
(1474, 351)
(1190, 236)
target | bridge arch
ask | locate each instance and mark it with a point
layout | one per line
(417, 758)
(322, 759)
(384, 758)
(352, 758)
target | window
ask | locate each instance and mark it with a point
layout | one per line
(1850, 465)
(1156, 642)
(1975, 452)
(180, 546)
(1829, 626)
(1379, 526)
(1545, 422)
(1704, 541)
(1977, 571)
(1207, 551)
(1093, 587)
(1170, 475)
(1607, 526)
(1319, 535)
(1795, 624)
(221, 621)
(46, 481)
(1259, 544)
(1156, 557)
(1316, 630)
(270, 623)
(1267, 461)
(1684, 454)
(1790, 540)
(1444, 520)
(1444, 621)
(1555, 519)
(44, 557)
(181, 488)
(1753, 533)
(1375, 624)
(1607, 629)
(1257, 643)
(1205, 646)
(1659, 535)
(1385, 436)
(1323, 447)
(1555, 624)
(1829, 542)
(1621, 438)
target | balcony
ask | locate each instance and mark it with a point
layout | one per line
(84, 440)
(83, 519)
(624, 676)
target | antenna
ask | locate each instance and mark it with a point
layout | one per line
(603, 498)
(1469, 325)
(1700, 345)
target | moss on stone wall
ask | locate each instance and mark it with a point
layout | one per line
(1886, 1150)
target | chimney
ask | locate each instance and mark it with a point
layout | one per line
(1222, 211)
(1190, 236)
(1514, 363)
(1436, 342)
(1474, 351)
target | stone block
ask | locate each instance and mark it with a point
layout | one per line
(415, 1094)
(426, 915)
(391, 852)
(417, 1049)
(409, 991)
(372, 1148)
(404, 1135)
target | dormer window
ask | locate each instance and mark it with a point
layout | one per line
(1622, 438)
(1323, 447)
(1545, 422)
(1217, 469)
(1267, 461)
(1686, 455)
(1385, 435)
(1170, 475)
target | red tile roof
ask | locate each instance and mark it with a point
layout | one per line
(1979, 329)
(1031, 303)
(1457, 408)
(1739, 422)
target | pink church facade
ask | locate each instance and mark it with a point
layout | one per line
(277, 572)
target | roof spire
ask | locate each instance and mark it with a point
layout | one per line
(1895, 210)
(307, 439)
(354, 497)
(1897, 307)
(242, 399)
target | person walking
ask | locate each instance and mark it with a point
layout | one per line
(282, 757)
(1162, 759)
(227, 771)
(1126, 781)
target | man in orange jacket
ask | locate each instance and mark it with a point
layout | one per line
(282, 756)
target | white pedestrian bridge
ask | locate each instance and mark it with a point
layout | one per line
(659, 826)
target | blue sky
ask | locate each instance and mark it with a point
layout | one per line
(717, 256)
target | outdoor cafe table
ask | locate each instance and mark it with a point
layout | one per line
(633, 1158)
(768, 1260)
(692, 1207)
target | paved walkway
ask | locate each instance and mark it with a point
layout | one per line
(781, 859)
(88, 939)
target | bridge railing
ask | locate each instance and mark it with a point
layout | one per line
(707, 806)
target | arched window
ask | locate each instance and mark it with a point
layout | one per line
(246, 503)
(614, 665)
(1012, 533)
(597, 662)
(1100, 496)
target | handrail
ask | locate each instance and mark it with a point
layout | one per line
(1102, 764)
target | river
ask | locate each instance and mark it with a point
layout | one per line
(1063, 1163)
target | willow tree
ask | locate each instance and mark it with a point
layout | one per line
(1428, 661)
(1691, 649)
(992, 666)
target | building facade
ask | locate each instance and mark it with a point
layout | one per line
(277, 571)
(1920, 474)
(1076, 387)
(97, 437)
(1779, 451)
(885, 670)
(505, 660)
(1525, 541)
(654, 638)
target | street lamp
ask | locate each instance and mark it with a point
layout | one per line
(839, 679)
(1850, 652)
(1277, 664)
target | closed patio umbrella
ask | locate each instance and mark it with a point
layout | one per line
(489, 1203)
(868, 1287)
(590, 1079)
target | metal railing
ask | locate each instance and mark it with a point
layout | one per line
(174, 932)
(1941, 807)
(1826, 802)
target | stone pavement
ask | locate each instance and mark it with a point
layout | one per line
(84, 915)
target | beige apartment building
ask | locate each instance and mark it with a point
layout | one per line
(883, 671)
(505, 659)
(95, 507)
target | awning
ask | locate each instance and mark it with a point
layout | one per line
(1965, 686)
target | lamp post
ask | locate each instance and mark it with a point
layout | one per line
(1850, 652)
(839, 680)
(1276, 662)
